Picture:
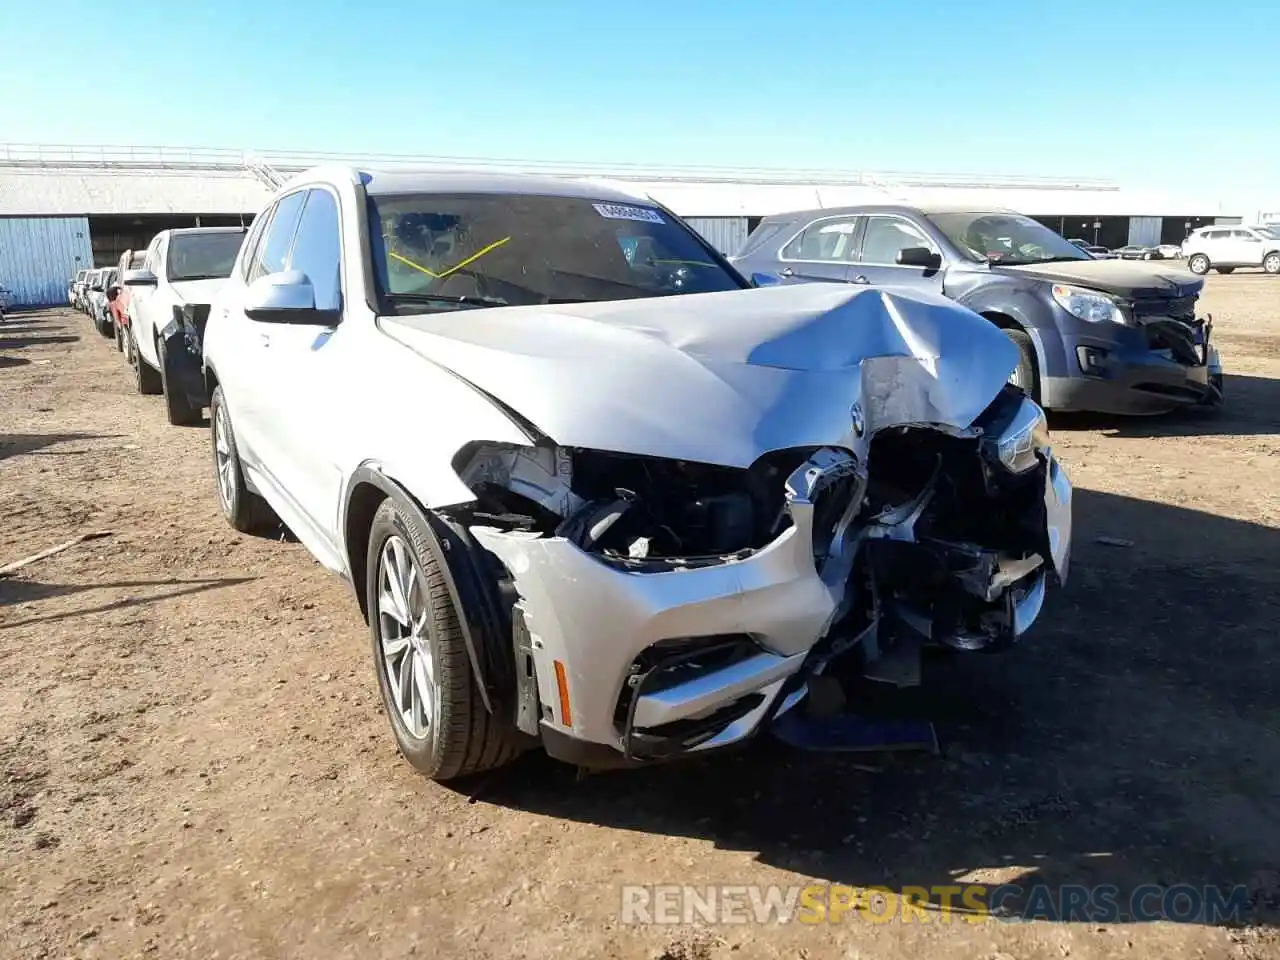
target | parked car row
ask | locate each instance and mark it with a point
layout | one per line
(155, 304)
(641, 507)
(1132, 251)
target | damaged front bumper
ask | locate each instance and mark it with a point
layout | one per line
(635, 661)
(182, 356)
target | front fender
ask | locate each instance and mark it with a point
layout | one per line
(468, 575)
(1031, 313)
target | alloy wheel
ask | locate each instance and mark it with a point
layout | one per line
(225, 462)
(405, 638)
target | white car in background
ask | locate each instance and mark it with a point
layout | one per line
(168, 307)
(592, 489)
(1224, 247)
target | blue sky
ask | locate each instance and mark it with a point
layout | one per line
(1171, 94)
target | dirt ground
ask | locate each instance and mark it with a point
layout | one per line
(193, 760)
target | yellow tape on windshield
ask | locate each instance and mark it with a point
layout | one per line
(454, 269)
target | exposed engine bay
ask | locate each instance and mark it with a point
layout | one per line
(939, 529)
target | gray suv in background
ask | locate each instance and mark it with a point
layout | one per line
(1102, 335)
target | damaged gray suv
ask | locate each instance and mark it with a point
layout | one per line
(597, 493)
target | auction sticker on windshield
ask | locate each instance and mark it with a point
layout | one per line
(618, 211)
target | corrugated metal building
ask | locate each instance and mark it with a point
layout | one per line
(39, 254)
(118, 197)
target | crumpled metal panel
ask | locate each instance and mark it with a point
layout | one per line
(38, 255)
(725, 377)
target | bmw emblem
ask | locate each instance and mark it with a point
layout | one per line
(859, 423)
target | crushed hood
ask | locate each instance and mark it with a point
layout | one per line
(1131, 279)
(724, 377)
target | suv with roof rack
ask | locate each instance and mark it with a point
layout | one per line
(1102, 335)
(1224, 248)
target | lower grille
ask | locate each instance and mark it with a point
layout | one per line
(1176, 337)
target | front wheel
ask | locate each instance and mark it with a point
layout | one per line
(242, 508)
(424, 672)
(1024, 374)
(1198, 263)
(146, 379)
(179, 409)
(1271, 263)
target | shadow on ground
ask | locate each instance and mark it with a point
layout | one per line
(15, 591)
(1252, 408)
(1133, 740)
(21, 444)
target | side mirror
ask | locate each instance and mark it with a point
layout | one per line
(921, 257)
(764, 280)
(139, 278)
(286, 297)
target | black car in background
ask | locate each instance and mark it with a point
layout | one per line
(1100, 335)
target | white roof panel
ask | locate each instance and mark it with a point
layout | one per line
(46, 191)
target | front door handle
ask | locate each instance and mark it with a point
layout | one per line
(861, 278)
(786, 272)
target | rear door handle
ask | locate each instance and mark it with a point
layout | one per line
(786, 272)
(861, 278)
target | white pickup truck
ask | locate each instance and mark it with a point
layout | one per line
(168, 308)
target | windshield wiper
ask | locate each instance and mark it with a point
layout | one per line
(442, 298)
(1023, 262)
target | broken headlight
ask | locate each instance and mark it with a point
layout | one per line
(1026, 435)
(1088, 304)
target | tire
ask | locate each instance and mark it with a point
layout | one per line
(180, 412)
(1146, 256)
(1225, 270)
(1198, 263)
(145, 378)
(1024, 375)
(454, 735)
(242, 508)
(1271, 263)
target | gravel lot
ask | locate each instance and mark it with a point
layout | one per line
(193, 761)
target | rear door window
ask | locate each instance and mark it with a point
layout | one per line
(827, 241)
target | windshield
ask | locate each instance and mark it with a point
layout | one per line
(1270, 230)
(203, 256)
(1006, 238)
(457, 251)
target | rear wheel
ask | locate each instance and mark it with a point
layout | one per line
(243, 509)
(1198, 263)
(1271, 263)
(424, 673)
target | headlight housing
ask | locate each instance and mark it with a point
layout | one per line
(1026, 436)
(1088, 305)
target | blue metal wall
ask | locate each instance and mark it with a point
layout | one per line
(38, 255)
